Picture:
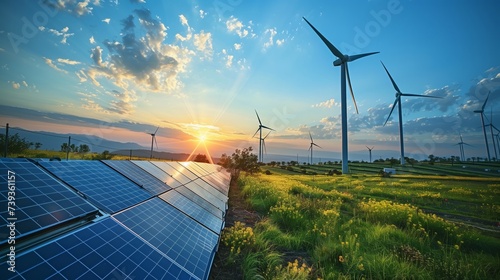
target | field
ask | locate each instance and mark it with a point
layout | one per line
(430, 222)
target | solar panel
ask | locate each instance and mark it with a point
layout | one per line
(183, 170)
(105, 250)
(40, 200)
(157, 172)
(179, 237)
(200, 201)
(172, 171)
(193, 210)
(102, 185)
(206, 195)
(138, 175)
(200, 172)
(211, 189)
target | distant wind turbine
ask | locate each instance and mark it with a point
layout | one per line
(370, 151)
(153, 138)
(264, 144)
(484, 127)
(311, 146)
(261, 126)
(342, 61)
(461, 145)
(491, 131)
(398, 102)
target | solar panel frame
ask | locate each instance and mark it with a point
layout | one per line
(179, 237)
(158, 173)
(103, 250)
(211, 189)
(205, 204)
(206, 195)
(41, 201)
(142, 178)
(102, 185)
(193, 210)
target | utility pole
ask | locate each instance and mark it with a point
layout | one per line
(6, 140)
(67, 149)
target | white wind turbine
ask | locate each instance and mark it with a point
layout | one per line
(398, 102)
(311, 146)
(261, 126)
(342, 61)
(491, 131)
(484, 127)
(153, 138)
(370, 150)
(461, 145)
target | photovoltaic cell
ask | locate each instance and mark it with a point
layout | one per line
(211, 189)
(40, 200)
(172, 171)
(102, 185)
(157, 172)
(139, 176)
(182, 169)
(200, 201)
(206, 195)
(193, 210)
(179, 237)
(105, 250)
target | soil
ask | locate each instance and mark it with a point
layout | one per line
(238, 210)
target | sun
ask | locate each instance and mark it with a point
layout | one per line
(202, 138)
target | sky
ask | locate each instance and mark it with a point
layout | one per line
(199, 70)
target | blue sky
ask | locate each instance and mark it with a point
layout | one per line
(118, 69)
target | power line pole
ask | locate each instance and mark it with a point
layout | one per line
(67, 149)
(6, 140)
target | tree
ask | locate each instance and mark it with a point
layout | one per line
(16, 144)
(240, 160)
(64, 147)
(432, 159)
(83, 149)
(38, 145)
(74, 148)
(201, 158)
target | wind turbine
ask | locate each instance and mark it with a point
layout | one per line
(370, 151)
(342, 61)
(311, 146)
(153, 138)
(461, 144)
(261, 126)
(492, 135)
(398, 102)
(484, 127)
(264, 144)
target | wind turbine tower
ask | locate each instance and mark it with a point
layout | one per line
(261, 126)
(398, 102)
(153, 139)
(481, 112)
(370, 151)
(461, 145)
(342, 61)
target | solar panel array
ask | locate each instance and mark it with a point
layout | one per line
(113, 219)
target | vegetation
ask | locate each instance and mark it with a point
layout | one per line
(364, 226)
(240, 160)
(16, 144)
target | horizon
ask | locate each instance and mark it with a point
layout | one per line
(118, 70)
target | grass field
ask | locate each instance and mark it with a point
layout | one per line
(427, 223)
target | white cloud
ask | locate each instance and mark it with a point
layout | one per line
(106, 20)
(280, 42)
(202, 14)
(203, 42)
(237, 46)
(183, 20)
(63, 33)
(272, 32)
(81, 76)
(15, 85)
(25, 83)
(50, 63)
(68, 61)
(229, 61)
(326, 104)
(92, 40)
(236, 26)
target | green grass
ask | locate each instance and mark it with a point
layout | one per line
(362, 226)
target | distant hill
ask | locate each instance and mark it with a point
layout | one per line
(156, 155)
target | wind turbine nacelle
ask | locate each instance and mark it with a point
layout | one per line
(339, 61)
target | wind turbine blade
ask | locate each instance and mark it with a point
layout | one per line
(420, 95)
(310, 136)
(372, 147)
(484, 104)
(467, 144)
(316, 145)
(267, 135)
(264, 146)
(358, 56)
(330, 46)
(154, 137)
(156, 130)
(256, 132)
(393, 106)
(350, 87)
(263, 126)
(392, 80)
(258, 117)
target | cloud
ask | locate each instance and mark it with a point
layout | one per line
(50, 63)
(236, 26)
(270, 42)
(92, 40)
(138, 1)
(229, 61)
(202, 14)
(203, 42)
(183, 20)
(63, 33)
(79, 8)
(145, 63)
(15, 85)
(449, 100)
(2, 50)
(106, 20)
(68, 61)
(81, 76)
(326, 104)
(237, 46)
(25, 83)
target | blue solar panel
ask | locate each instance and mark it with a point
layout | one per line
(183, 170)
(40, 200)
(139, 176)
(211, 189)
(200, 201)
(193, 210)
(105, 250)
(197, 189)
(157, 172)
(172, 171)
(102, 185)
(179, 237)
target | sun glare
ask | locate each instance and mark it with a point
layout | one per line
(202, 138)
